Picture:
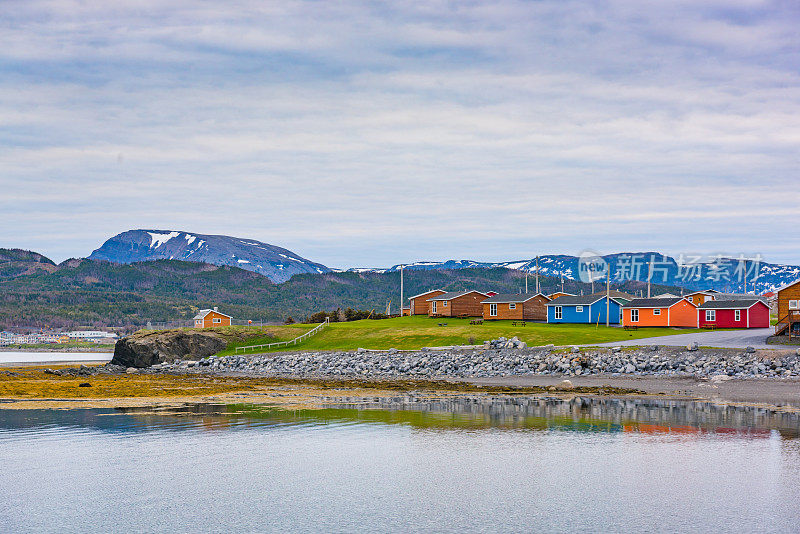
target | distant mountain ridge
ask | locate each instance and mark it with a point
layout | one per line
(666, 270)
(276, 263)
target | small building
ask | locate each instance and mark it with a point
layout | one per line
(209, 318)
(521, 307)
(677, 311)
(699, 297)
(553, 296)
(419, 303)
(587, 309)
(457, 304)
(749, 313)
(788, 309)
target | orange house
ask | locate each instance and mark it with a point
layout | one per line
(700, 297)
(420, 304)
(660, 312)
(209, 318)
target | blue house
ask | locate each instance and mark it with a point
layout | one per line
(589, 309)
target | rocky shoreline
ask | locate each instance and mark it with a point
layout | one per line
(505, 358)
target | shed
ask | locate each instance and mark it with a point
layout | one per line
(209, 318)
(588, 309)
(457, 304)
(745, 313)
(519, 307)
(660, 312)
(419, 303)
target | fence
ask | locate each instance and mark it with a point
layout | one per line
(294, 341)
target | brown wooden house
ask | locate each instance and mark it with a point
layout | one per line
(419, 303)
(209, 318)
(457, 304)
(522, 307)
(788, 310)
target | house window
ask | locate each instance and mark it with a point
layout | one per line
(558, 312)
(579, 309)
(493, 310)
(444, 304)
(433, 307)
(512, 306)
(711, 315)
(737, 315)
(216, 320)
(634, 316)
(793, 305)
(657, 311)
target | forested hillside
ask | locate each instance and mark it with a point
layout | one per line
(93, 293)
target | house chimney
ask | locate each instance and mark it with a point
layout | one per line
(216, 308)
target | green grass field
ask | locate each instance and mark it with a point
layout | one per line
(416, 332)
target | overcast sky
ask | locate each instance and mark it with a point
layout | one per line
(368, 134)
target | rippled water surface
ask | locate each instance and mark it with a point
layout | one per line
(406, 464)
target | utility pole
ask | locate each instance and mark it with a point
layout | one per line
(562, 281)
(745, 277)
(608, 298)
(649, 275)
(537, 274)
(526, 281)
(401, 290)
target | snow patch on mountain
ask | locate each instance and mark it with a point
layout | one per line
(157, 238)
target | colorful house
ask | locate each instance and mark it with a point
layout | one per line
(788, 309)
(522, 307)
(660, 312)
(419, 303)
(589, 309)
(699, 297)
(457, 304)
(749, 313)
(209, 318)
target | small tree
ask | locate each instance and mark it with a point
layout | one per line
(289, 320)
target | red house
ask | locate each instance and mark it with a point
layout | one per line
(743, 313)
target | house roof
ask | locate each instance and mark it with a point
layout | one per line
(738, 296)
(655, 303)
(511, 297)
(574, 300)
(202, 313)
(704, 292)
(454, 294)
(784, 286)
(426, 293)
(613, 293)
(730, 304)
(562, 293)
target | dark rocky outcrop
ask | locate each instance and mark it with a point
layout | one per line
(144, 349)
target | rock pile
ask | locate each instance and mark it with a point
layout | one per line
(503, 343)
(493, 362)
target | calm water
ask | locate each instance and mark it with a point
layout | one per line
(414, 466)
(32, 357)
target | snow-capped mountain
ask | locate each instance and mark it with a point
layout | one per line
(276, 263)
(723, 274)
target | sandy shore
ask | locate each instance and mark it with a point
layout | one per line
(776, 394)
